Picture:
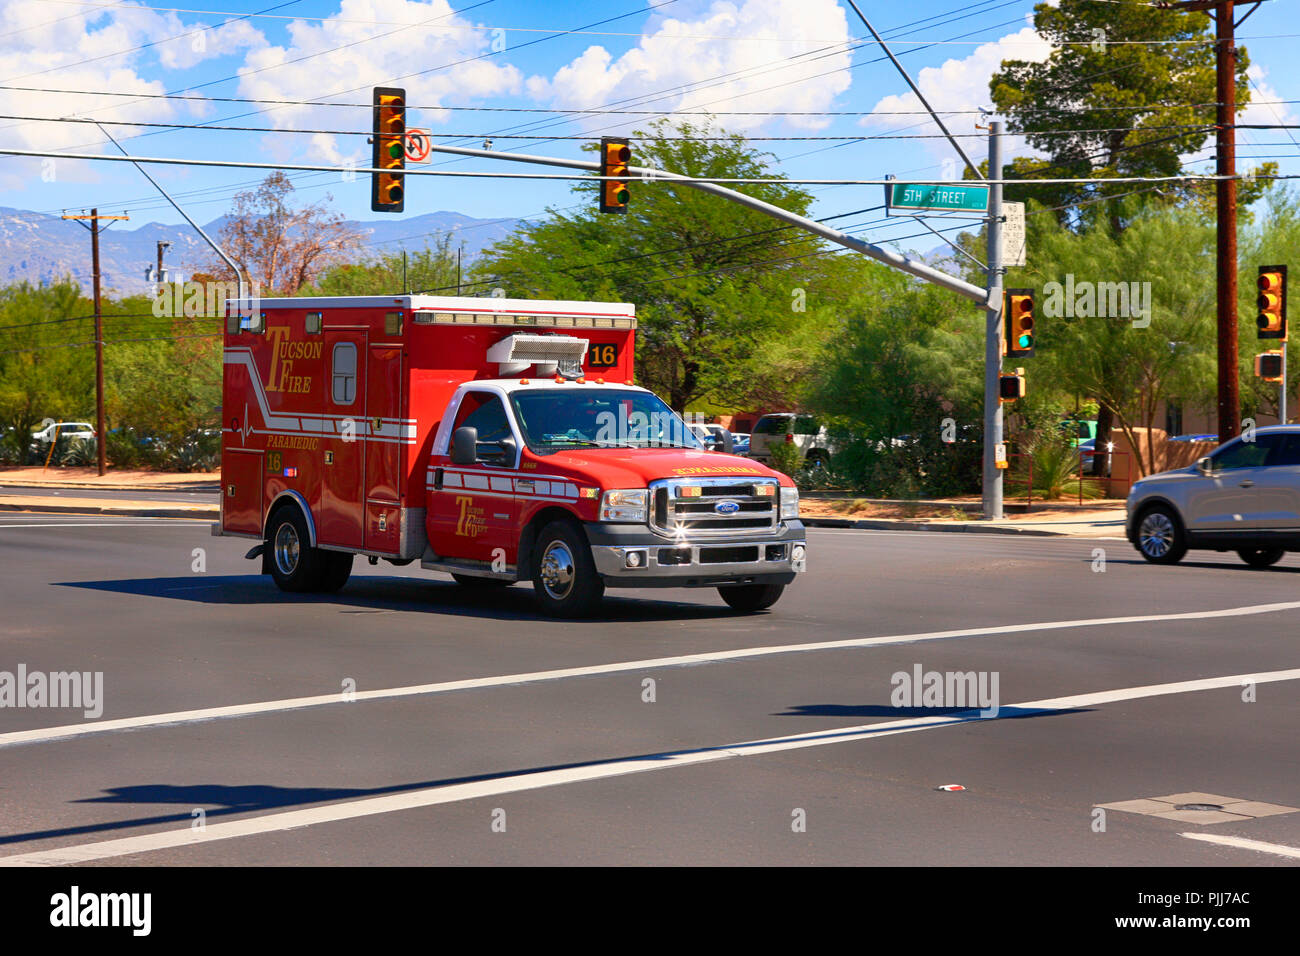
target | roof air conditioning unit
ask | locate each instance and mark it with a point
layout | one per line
(515, 353)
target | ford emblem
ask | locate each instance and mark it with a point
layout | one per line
(727, 507)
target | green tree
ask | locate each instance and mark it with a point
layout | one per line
(1159, 347)
(723, 293)
(433, 268)
(1100, 107)
(46, 366)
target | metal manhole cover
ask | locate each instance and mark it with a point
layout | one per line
(1198, 806)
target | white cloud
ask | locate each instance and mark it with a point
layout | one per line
(960, 84)
(344, 54)
(727, 37)
(70, 48)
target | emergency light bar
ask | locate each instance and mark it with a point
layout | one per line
(516, 352)
(537, 321)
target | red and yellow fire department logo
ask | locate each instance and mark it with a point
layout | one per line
(471, 523)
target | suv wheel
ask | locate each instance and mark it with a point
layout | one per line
(1160, 536)
(1261, 557)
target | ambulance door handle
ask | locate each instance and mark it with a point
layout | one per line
(437, 479)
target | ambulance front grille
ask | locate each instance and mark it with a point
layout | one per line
(745, 509)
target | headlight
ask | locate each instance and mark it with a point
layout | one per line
(627, 504)
(789, 503)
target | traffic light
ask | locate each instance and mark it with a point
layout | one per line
(1018, 323)
(387, 191)
(1268, 366)
(1012, 387)
(615, 155)
(1272, 302)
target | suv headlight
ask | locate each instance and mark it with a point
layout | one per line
(789, 503)
(625, 504)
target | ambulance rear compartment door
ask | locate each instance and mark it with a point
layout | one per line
(385, 449)
(343, 449)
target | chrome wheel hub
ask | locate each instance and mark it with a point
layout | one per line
(286, 549)
(556, 570)
(1156, 534)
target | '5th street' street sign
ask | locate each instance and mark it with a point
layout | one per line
(911, 199)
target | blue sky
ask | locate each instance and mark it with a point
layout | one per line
(663, 56)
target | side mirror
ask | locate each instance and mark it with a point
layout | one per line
(728, 443)
(1205, 465)
(464, 445)
(507, 453)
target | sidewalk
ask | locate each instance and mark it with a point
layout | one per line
(1104, 523)
(115, 480)
(48, 504)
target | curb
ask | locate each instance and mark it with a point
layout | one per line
(887, 525)
(197, 513)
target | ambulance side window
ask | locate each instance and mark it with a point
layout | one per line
(344, 378)
(484, 411)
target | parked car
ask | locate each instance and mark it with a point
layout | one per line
(711, 436)
(740, 443)
(64, 430)
(802, 430)
(1243, 497)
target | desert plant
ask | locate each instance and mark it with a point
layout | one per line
(786, 458)
(1055, 471)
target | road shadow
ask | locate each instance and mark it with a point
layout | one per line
(888, 710)
(1227, 564)
(221, 800)
(374, 594)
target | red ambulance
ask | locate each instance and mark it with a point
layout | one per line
(497, 440)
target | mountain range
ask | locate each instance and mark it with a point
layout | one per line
(42, 248)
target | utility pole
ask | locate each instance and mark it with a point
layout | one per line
(1225, 63)
(101, 436)
(993, 334)
(159, 276)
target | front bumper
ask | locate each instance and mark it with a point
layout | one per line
(703, 562)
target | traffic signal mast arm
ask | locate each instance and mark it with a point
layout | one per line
(646, 174)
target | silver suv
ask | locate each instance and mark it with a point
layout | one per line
(803, 431)
(1245, 497)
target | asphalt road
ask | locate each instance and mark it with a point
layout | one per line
(528, 762)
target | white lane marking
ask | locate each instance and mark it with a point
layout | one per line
(1240, 843)
(537, 779)
(46, 734)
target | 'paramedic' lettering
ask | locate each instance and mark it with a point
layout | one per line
(283, 356)
(292, 441)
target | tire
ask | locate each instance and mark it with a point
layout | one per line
(336, 568)
(817, 459)
(1160, 535)
(1261, 557)
(470, 581)
(295, 565)
(751, 597)
(564, 574)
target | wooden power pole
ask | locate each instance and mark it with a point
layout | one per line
(101, 435)
(1229, 391)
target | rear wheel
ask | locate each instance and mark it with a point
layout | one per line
(295, 565)
(1261, 557)
(564, 574)
(751, 597)
(1160, 536)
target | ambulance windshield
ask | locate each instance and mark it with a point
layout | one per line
(554, 419)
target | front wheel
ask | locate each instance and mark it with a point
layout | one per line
(751, 597)
(1261, 557)
(564, 574)
(1160, 537)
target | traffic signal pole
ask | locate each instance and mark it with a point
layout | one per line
(993, 333)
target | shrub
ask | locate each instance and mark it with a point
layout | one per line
(1055, 468)
(786, 458)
